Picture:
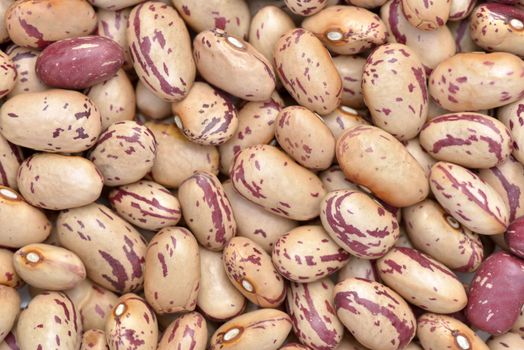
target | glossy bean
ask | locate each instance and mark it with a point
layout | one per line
(94, 339)
(24, 60)
(350, 69)
(188, 332)
(426, 15)
(8, 275)
(10, 304)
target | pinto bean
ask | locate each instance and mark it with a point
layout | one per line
(426, 15)
(114, 4)
(10, 304)
(460, 9)
(24, 60)
(421, 156)
(188, 332)
(112, 24)
(334, 179)
(512, 115)
(514, 237)
(11, 157)
(303, 8)
(149, 104)
(8, 275)
(508, 341)
(358, 268)
(350, 69)
(94, 339)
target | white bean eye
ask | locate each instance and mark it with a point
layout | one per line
(452, 222)
(33, 257)
(120, 309)
(247, 286)
(516, 24)
(235, 42)
(462, 342)
(8, 193)
(231, 334)
(334, 35)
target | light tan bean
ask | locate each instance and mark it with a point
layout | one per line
(512, 115)
(94, 339)
(350, 69)
(24, 60)
(4, 5)
(11, 157)
(461, 32)
(426, 15)
(188, 332)
(303, 8)
(8, 275)
(518, 326)
(460, 9)
(149, 104)
(421, 156)
(114, 4)
(112, 24)
(508, 341)
(10, 306)
(358, 268)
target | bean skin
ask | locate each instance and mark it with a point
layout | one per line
(4, 5)
(10, 304)
(367, 307)
(350, 69)
(334, 179)
(426, 16)
(112, 24)
(94, 339)
(305, 8)
(421, 156)
(343, 118)
(508, 341)
(8, 275)
(9, 342)
(368, 4)
(358, 268)
(24, 60)
(461, 33)
(114, 4)
(294, 346)
(460, 9)
(512, 115)
(471, 201)
(188, 332)
(8, 75)
(514, 237)
(518, 326)
(149, 104)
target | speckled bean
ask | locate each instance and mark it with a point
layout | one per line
(11, 157)
(307, 254)
(444, 332)
(24, 60)
(373, 158)
(94, 339)
(4, 35)
(334, 179)
(350, 69)
(514, 237)
(22, 223)
(436, 233)
(50, 321)
(472, 140)
(368, 4)
(149, 104)
(264, 329)
(262, 175)
(421, 156)
(496, 293)
(395, 91)
(508, 341)
(56, 182)
(305, 137)
(461, 33)
(114, 4)
(172, 271)
(206, 116)
(347, 30)
(299, 55)
(294, 346)
(233, 65)
(312, 311)
(343, 118)
(188, 332)
(112, 251)
(426, 15)
(461, 9)
(10, 306)
(305, 8)
(369, 308)
(8, 275)
(477, 80)
(358, 268)
(161, 50)
(471, 201)
(422, 280)
(255, 223)
(37, 24)
(231, 16)
(112, 24)
(8, 74)
(251, 271)
(518, 326)
(177, 158)
(132, 325)
(512, 115)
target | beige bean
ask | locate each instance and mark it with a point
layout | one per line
(9, 342)
(93, 302)
(461, 32)
(50, 320)
(48, 267)
(307, 254)
(112, 24)
(395, 91)
(460, 9)
(420, 41)
(350, 69)
(347, 30)
(4, 5)
(404, 240)
(10, 306)
(312, 311)
(444, 332)
(115, 99)
(161, 50)
(206, 116)
(264, 329)
(436, 233)
(231, 16)
(37, 24)
(262, 175)
(299, 55)
(294, 346)
(8, 74)
(112, 251)
(508, 341)
(255, 223)
(114, 4)
(458, 191)
(518, 326)
(52, 121)
(11, 157)
(267, 26)
(426, 15)
(477, 80)
(511, 115)
(217, 298)
(305, 137)
(251, 271)
(359, 224)
(188, 332)
(149, 104)
(24, 60)
(358, 268)
(422, 280)
(94, 339)
(434, 109)
(334, 179)
(421, 156)
(369, 308)
(207, 210)
(53, 181)
(146, 204)
(305, 8)
(131, 324)
(177, 158)
(256, 125)
(8, 275)
(124, 153)
(233, 65)
(22, 223)
(172, 271)
(373, 158)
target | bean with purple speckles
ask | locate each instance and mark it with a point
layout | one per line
(114, 4)
(508, 341)
(188, 332)
(514, 237)
(10, 306)
(460, 9)
(94, 339)
(24, 60)
(307, 7)
(11, 157)
(359, 268)
(149, 104)
(8, 275)
(426, 15)
(334, 179)
(350, 69)
(512, 115)
(112, 24)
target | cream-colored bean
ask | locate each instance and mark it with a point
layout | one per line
(369, 309)
(177, 158)
(426, 15)
(255, 223)
(518, 326)
(460, 9)
(421, 156)
(11, 157)
(358, 268)
(206, 116)
(264, 329)
(8, 275)
(112, 251)
(461, 32)
(149, 104)
(422, 280)
(131, 324)
(458, 191)
(188, 332)
(24, 60)
(347, 30)
(48, 267)
(508, 341)
(373, 158)
(251, 271)
(22, 223)
(112, 24)
(350, 69)
(233, 65)
(10, 306)
(4, 5)
(8, 74)
(114, 4)
(305, 137)
(50, 320)
(287, 189)
(304, 8)
(299, 55)
(94, 339)
(511, 115)
(172, 271)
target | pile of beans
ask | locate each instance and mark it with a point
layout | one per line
(262, 175)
